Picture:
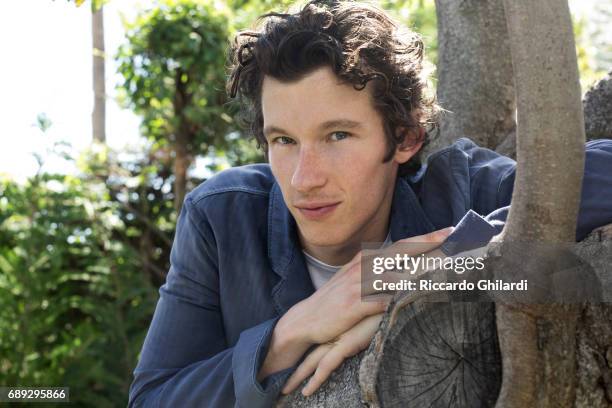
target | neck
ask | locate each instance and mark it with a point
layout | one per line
(333, 255)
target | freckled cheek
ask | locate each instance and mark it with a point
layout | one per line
(354, 177)
(283, 167)
(365, 179)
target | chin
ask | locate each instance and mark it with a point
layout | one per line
(323, 237)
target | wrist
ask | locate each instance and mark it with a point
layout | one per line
(291, 332)
(289, 342)
(287, 345)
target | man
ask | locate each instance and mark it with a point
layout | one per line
(264, 287)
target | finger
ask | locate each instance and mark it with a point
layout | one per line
(379, 284)
(413, 247)
(425, 243)
(412, 270)
(372, 304)
(359, 336)
(352, 268)
(369, 325)
(306, 368)
(327, 365)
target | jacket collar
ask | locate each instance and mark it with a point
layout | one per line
(283, 242)
(407, 219)
(285, 255)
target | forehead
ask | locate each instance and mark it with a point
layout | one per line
(317, 98)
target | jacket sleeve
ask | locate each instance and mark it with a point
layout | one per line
(185, 360)
(596, 196)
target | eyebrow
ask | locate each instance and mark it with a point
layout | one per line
(340, 123)
(330, 124)
(273, 129)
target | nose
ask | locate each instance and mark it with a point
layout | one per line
(309, 172)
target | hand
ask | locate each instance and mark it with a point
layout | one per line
(316, 317)
(315, 320)
(325, 358)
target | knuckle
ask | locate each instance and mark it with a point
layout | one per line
(381, 305)
(431, 237)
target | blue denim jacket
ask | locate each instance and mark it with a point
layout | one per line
(237, 267)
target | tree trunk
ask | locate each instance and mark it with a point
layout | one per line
(537, 341)
(181, 165)
(99, 111)
(550, 122)
(474, 74)
(182, 140)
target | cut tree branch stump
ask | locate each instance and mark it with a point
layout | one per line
(434, 354)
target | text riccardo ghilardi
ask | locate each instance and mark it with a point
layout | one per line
(413, 264)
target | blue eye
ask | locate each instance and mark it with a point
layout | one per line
(336, 136)
(283, 140)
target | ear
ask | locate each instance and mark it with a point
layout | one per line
(413, 141)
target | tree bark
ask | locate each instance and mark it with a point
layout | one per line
(594, 330)
(474, 71)
(537, 341)
(474, 54)
(598, 110)
(550, 122)
(99, 110)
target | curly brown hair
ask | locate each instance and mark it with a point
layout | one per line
(361, 43)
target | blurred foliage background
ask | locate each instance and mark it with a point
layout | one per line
(82, 255)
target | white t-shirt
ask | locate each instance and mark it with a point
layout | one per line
(320, 272)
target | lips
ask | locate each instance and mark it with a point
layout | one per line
(317, 211)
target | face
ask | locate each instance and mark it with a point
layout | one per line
(326, 146)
